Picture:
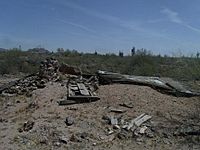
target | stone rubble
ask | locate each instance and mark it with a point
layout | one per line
(48, 72)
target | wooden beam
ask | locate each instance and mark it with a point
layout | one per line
(83, 89)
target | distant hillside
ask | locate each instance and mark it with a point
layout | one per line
(39, 50)
(3, 49)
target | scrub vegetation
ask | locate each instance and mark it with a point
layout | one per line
(15, 61)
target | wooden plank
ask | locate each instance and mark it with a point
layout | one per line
(67, 102)
(142, 120)
(86, 98)
(78, 99)
(81, 86)
(83, 89)
(74, 88)
(117, 110)
(133, 121)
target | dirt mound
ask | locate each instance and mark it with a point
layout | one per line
(89, 127)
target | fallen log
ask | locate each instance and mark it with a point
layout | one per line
(165, 85)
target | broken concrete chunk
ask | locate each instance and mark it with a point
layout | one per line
(69, 121)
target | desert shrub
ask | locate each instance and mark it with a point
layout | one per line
(142, 65)
(184, 68)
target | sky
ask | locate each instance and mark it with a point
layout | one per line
(107, 26)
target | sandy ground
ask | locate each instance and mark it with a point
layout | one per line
(89, 130)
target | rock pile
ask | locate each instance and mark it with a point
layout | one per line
(49, 69)
(24, 86)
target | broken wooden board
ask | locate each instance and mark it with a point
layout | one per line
(78, 92)
(116, 110)
(87, 98)
(78, 99)
(83, 89)
(131, 124)
(128, 105)
(141, 120)
(138, 121)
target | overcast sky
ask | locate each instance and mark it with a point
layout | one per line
(163, 26)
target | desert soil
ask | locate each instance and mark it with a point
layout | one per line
(89, 130)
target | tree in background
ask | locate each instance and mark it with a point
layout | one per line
(121, 54)
(133, 51)
(198, 54)
(143, 52)
(60, 50)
